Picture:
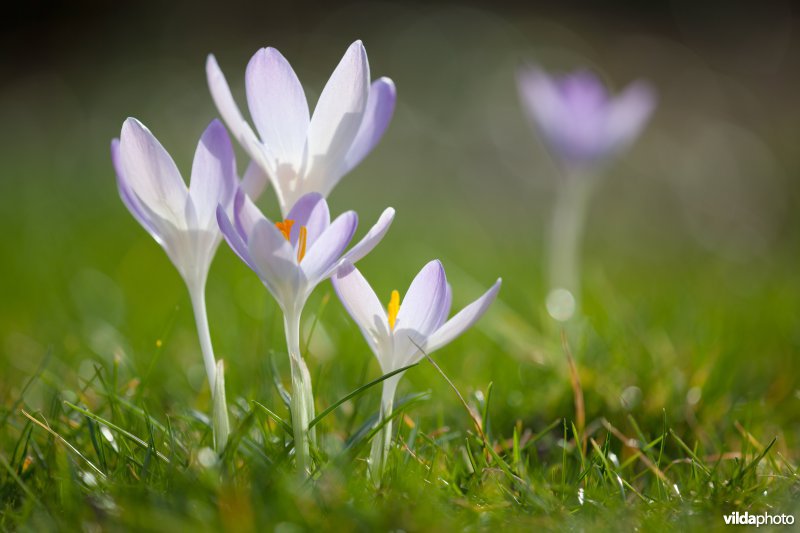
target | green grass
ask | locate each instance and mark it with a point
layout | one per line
(689, 396)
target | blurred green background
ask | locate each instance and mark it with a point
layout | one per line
(691, 253)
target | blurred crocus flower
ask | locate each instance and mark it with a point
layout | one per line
(304, 153)
(402, 333)
(292, 257)
(583, 126)
(181, 219)
(580, 121)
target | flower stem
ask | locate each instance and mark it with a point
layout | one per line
(302, 405)
(381, 443)
(569, 215)
(221, 429)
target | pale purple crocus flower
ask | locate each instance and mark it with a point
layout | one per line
(300, 152)
(291, 258)
(583, 127)
(580, 121)
(183, 219)
(401, 334)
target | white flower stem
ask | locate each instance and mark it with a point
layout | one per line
(197, 294)
(302, 405)
(569, 215)
(381, 443)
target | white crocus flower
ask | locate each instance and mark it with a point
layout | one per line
(402, 333)
(183, 219)
(303, 153)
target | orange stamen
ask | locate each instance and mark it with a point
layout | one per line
(301, 244)
(393, 308)
(285, 227)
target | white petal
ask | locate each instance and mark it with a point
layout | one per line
(336, 120)
(151, 173)
(462, 321)
(255, 180)
(273, 258)
(373, 236)
(377, 115)
(363, 305)
(424, 301)
(240, 129)
(213, 175)
(325, 255)
(278, 106)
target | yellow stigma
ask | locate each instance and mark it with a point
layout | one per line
(393, 308)
(285, 227)
(301, 244)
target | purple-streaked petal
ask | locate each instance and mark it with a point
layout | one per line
(240, 129)
(151, 174)
(378, 114)
(213, 174)
(363, 305)
(446, 305)
(628, 114)
(129, 198)
(372, 238)
(321, 259)
(245, 214)
(462, 321)
(336, 119)
(233, 237)
(274, 261)
(311, 211)
(422, 305)
(254, 181)
(278, 105)
(582, 92)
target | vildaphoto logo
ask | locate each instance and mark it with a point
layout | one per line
(765, 519)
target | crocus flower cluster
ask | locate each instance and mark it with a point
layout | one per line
(303, 156)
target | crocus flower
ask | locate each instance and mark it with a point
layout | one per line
(580, 121)
(182, 220)
(292, 257)
(583, 126)
(402, 333)
(304, 153)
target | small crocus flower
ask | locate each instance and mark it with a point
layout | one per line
(580, 121)
(181, 219)
(583, 126)
(292, 257)
(304, 153)
(403, 332)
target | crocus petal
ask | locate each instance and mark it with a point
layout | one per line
(213, 174)
(372, 238)
(245, 214)
(240, 129)
(422, 305)
(274, 262)
(278, 105)
(310, 211)
(462, 321)
(445, 310)
(363, 305)
(323, 257)
(129, 198)
(254, 181)
(628, 114)
(337, 119)
(378, 114)
(233, 237)
(151, 173)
